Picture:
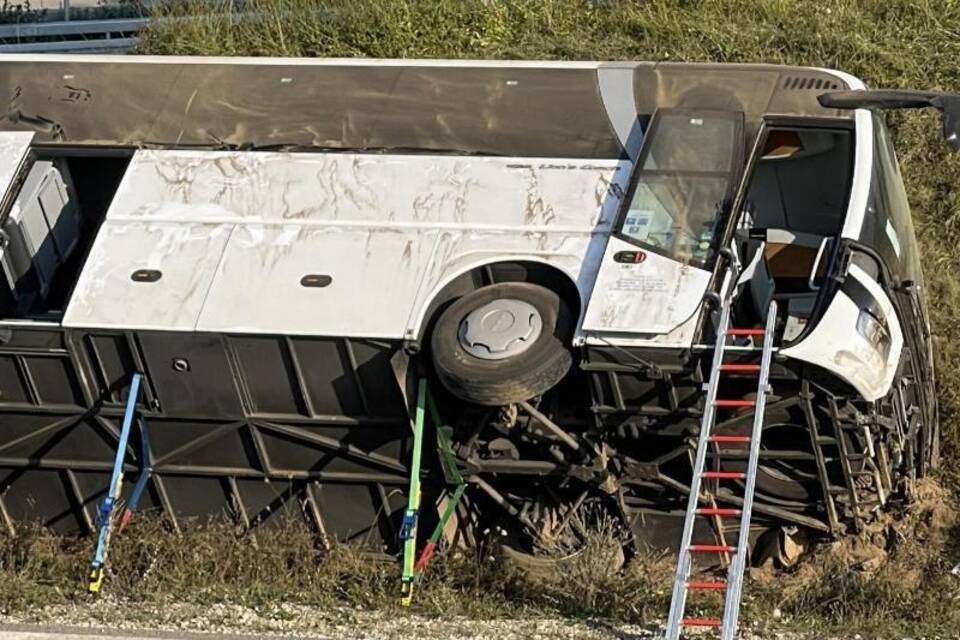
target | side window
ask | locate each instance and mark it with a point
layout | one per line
(684, 178)
(888, 227)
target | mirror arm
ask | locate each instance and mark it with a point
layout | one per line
(947, 104)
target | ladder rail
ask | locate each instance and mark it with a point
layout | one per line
(679, 597)
(738, 566)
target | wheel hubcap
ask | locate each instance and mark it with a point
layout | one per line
(500, 329)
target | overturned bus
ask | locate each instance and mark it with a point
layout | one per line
(283, 247)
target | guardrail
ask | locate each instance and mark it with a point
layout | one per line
(74, 35)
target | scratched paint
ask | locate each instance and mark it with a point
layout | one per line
(388, 230)
(372, 188)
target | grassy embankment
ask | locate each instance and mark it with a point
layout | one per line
(894, 43)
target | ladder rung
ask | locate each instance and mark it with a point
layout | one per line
(712, 548)
(702, 622)
(735, 367)
(730, 439)
(746, 332)
(734, 403)
(724, 475)
(718, 511)
(743, 348)
(699, 584)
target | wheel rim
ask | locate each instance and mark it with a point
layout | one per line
(500, 329)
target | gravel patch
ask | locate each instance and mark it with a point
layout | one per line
(113, 617)
(298, 621)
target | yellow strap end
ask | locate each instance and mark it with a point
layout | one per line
(96, 580)
(406, 594)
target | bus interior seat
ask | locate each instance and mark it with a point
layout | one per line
(40, 233)
(755, 284)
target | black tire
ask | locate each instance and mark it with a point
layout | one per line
(512, 379)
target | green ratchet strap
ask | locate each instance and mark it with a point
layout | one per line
(447, 459)
(413, 569)
(408, 531)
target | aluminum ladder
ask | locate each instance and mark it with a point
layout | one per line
(740, 553)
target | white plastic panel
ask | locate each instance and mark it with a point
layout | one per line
(186, 255)
(654, 296)
(373, 274)
(16, 257)
(836, 345)
(14, 146)
(862, 172)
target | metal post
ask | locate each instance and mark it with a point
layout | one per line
(66, 9)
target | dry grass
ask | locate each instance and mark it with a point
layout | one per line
(894, 579)
(210, 563)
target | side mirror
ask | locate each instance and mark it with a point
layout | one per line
(949, 107)
(947, 104)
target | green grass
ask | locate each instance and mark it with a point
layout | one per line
(890, 43)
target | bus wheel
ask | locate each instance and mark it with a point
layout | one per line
(503, 343)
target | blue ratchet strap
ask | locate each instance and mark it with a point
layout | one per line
(409, 527)
(146, 470)
(105, 516)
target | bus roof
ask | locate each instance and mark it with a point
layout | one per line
(510, 108)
